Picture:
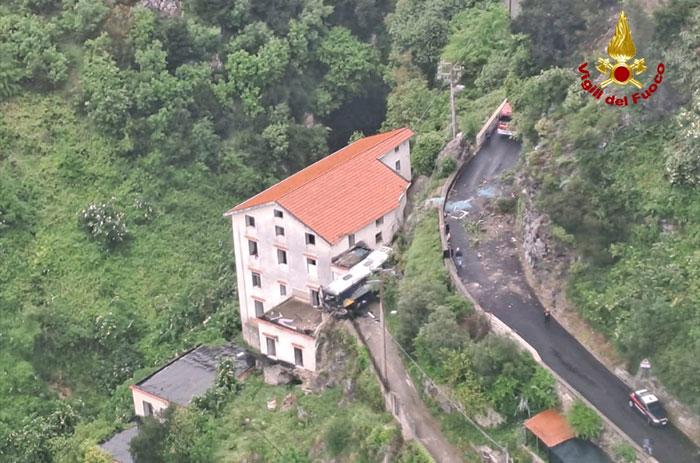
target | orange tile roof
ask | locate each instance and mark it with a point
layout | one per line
(551, 427)
(342, 192)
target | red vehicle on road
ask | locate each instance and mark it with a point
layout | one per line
(503, 127)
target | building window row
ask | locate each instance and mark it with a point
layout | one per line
(271, 345)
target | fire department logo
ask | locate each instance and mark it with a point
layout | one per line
(621, 48)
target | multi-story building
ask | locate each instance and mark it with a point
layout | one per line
(287, 238)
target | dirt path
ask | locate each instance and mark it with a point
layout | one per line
(425, 428)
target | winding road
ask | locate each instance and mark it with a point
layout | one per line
(493, 274)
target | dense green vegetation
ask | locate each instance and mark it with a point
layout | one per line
(125, 133)
(584, 420)
(453, 346)
(621, 186)
(347, 427)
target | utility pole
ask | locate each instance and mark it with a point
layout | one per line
(451, 72)
(383, 317)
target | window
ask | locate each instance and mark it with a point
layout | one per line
(351, 239)
(147, 408)
(298, 357)
(281, 256)
(379, 221)
(396, 149)
(315, 301)
(279, 214)
(271, 348)
(259, 308)
(253, 248)
(310, 239)
(279, 231)
(378, 238)
(283, 290)
(398, 165)
(311, 266)
(249, 221)
(257, 280)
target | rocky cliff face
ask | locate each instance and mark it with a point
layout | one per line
(546, 263)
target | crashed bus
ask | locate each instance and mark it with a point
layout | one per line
(340, 294)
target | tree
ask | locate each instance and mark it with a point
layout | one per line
(440, 332)
(349, 63)
(421, 28)
(104, 93)
(586, 422)
(555, 28)
(478, 35)
(540, 391)
(425, 152)
(29, 40)
(85, 18)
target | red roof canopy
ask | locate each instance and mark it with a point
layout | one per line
(507, 110)
(550, 427)
(342, 192)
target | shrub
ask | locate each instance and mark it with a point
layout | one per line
(683, 167)
(460, 306)
(448, 166)
(477, 325)
(104, 222)
(540, 391)
(425, 152)
(337, 436)
(624, 453)
(586, 422)
(293, 455)
(440, 332)
(506, 205)
(560, 235)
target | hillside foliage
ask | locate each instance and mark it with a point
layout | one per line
(621, 187)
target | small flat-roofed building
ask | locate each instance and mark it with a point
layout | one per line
(288, 333)
(186, 377)
(118, 445)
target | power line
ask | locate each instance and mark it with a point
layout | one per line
(457, 406)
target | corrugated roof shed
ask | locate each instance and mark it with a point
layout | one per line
(342, 192)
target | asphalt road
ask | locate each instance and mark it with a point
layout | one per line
(493, 274)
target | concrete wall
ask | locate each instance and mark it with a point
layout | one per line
(488, 127)
(140, 396)
(285, 342)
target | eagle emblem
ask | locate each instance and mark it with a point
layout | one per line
(621, 49)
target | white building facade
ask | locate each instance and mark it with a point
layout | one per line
(285, 238)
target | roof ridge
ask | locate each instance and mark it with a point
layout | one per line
(352, 158)
(394, 133)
